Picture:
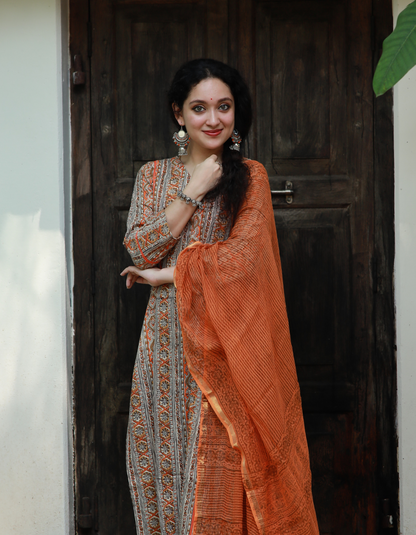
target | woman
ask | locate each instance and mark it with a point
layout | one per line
(215, 441)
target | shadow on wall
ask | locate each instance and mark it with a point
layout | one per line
(33, 377)
(33, 371)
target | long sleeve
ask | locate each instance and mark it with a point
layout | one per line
(148, 238)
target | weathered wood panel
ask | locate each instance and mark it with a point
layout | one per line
(383, 269)
(301, 54)
(309, 66)
(83, 306)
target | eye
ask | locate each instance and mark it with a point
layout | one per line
(224, 107)
(198, 108)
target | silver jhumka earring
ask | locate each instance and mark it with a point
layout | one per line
(181, 139)
(236, 139)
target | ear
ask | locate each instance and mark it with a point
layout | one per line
(178, 114)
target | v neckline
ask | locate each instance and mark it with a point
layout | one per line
(181, 164)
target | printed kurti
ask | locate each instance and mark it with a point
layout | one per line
(165, 407)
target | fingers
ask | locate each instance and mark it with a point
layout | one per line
(130, 280)
(131, 269)
(135, 280)
(131, 276)
(215, 159)
(134, 275)
(217, 163)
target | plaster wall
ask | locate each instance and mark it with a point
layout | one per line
(35, 465)
(405, 286)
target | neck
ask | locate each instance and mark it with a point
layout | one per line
(197, 155)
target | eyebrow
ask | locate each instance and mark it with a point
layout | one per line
(204, 102)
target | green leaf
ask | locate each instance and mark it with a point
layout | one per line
(399, 52)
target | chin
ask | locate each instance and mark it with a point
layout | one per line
(214, 144)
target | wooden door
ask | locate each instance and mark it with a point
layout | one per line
(309, 66)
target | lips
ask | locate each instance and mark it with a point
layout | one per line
(212, 133)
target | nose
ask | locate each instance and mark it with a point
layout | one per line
(212, 118)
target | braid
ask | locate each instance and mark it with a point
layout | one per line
(234, 181)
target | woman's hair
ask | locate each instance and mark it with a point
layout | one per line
(235, 179)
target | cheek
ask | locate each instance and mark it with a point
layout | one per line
(195, 121)
(230, 120)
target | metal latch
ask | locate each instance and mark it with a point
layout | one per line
(78, 76)
(287, 192)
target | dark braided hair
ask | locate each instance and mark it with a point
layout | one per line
(235, 178)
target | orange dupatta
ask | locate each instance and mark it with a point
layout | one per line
(253, 461)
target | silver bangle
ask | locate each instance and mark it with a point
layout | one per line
(188, 200)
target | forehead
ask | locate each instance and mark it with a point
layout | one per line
(210, 89)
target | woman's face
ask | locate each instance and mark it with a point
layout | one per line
(208, 114)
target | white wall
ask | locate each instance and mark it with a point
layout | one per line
(35, 466)
(405, 283)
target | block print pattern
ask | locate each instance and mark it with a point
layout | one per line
(165, 406)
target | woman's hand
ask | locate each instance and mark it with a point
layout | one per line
(152, 276)
(205, 177)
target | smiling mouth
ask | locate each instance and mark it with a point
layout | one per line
(212, 133)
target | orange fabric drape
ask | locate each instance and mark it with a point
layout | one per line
(253, 467)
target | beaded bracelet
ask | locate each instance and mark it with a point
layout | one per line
(188, 200)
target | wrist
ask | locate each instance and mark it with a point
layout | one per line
(193, 192)
(188, 200)
(166, 275)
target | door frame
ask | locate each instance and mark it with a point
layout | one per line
(382, 363)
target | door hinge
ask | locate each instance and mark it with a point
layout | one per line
(387, 520)
(78, 76)
(85, 519)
